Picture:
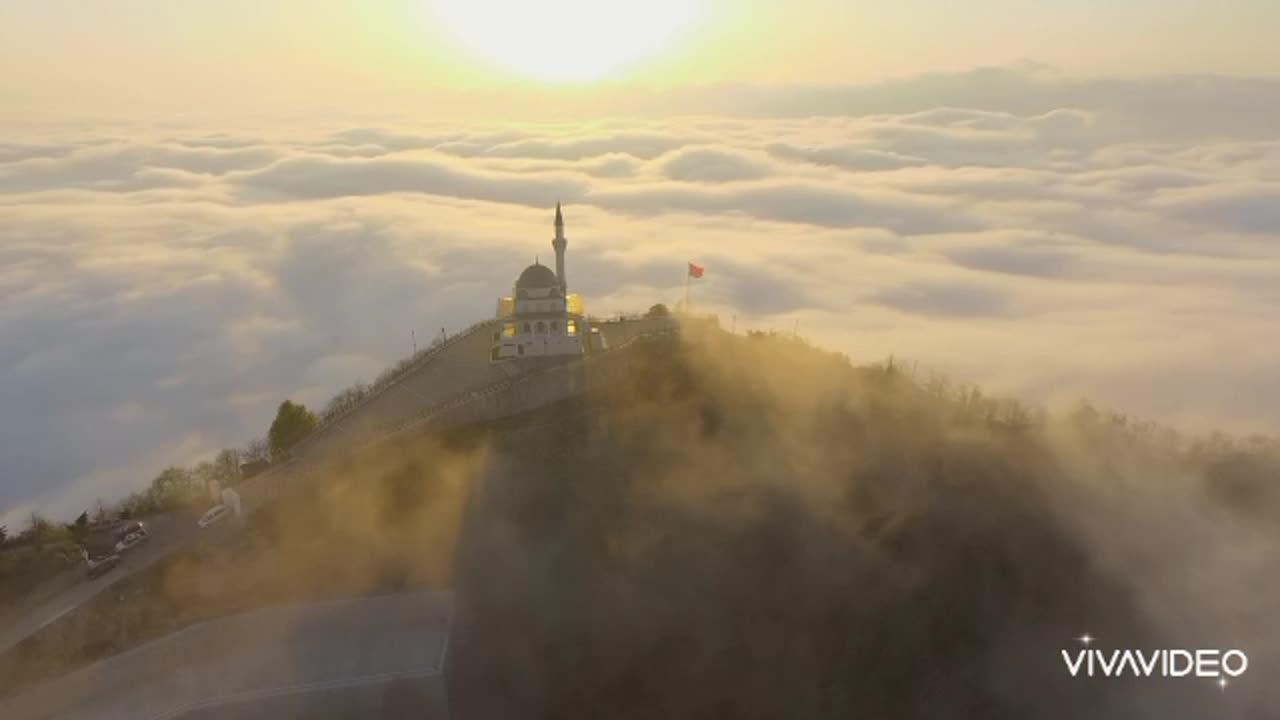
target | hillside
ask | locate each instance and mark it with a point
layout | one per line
(752, 527)
(749, 527)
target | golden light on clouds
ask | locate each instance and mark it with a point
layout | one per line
(567, 40)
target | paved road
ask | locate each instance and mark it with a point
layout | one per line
(168, 534)
(340, 659)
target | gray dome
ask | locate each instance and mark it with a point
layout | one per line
(537, 276)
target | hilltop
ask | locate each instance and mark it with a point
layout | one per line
(750, 526)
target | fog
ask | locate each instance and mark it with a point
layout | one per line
(752, 528)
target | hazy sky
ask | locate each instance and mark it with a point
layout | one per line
(209, 206)
(137, 56)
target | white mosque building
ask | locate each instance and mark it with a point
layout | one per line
(541, 318)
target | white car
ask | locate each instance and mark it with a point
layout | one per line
(216, 514)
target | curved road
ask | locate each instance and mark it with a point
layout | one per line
(363, 657)
(172, 533)
(168, 534)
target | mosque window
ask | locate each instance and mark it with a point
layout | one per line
(555, 326)
(509, 330)
(527, 329)
(542, 327)
(571, 326)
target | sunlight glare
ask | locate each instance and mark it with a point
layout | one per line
(566, 40)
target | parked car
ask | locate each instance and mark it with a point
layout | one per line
(132, 540)
(97, 567)
(132, 527)
(215, 515)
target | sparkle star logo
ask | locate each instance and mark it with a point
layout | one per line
(1088, 661)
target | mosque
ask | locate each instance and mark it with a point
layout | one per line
(542, 318)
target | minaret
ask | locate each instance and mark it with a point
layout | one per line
(559, 244)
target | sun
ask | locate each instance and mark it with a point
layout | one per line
(566, 40)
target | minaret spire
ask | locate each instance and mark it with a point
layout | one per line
(560, 243)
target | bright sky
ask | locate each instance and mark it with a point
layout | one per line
(86, 56)
(207, 206)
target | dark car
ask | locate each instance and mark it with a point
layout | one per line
(133, 527)
(102, 565)
(131, 534)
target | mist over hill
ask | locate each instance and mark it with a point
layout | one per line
(750, 527)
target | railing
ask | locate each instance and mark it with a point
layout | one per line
(436, 410)
(417, 362)
(469, 396)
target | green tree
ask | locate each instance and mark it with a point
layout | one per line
(659, 310)
(80, 527)
(293, 422)
(173, 487)
(44, 531)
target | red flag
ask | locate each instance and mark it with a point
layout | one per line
(695, 271)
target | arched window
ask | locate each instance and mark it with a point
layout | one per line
(526, 328)
(555, 326)
(542, 327)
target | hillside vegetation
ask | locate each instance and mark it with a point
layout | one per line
(374, 524)
(752, 528)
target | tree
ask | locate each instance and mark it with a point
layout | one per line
(138, 504)
(4, 534)
(80, 527)
(293, 422)
(227, 464)
(257, 449)
(42, 531)
(344, 401)
(205, 478)
(659, 310)
(171, 488)
(38, 524)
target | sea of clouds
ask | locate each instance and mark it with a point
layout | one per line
(165, 286)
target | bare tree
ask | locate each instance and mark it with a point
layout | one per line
(227, 464)
(257, 449)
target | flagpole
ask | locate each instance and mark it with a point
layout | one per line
(687, 275)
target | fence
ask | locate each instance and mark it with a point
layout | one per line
(489, 401)
(378, 390)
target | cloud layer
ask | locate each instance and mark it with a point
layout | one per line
(164, 289)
